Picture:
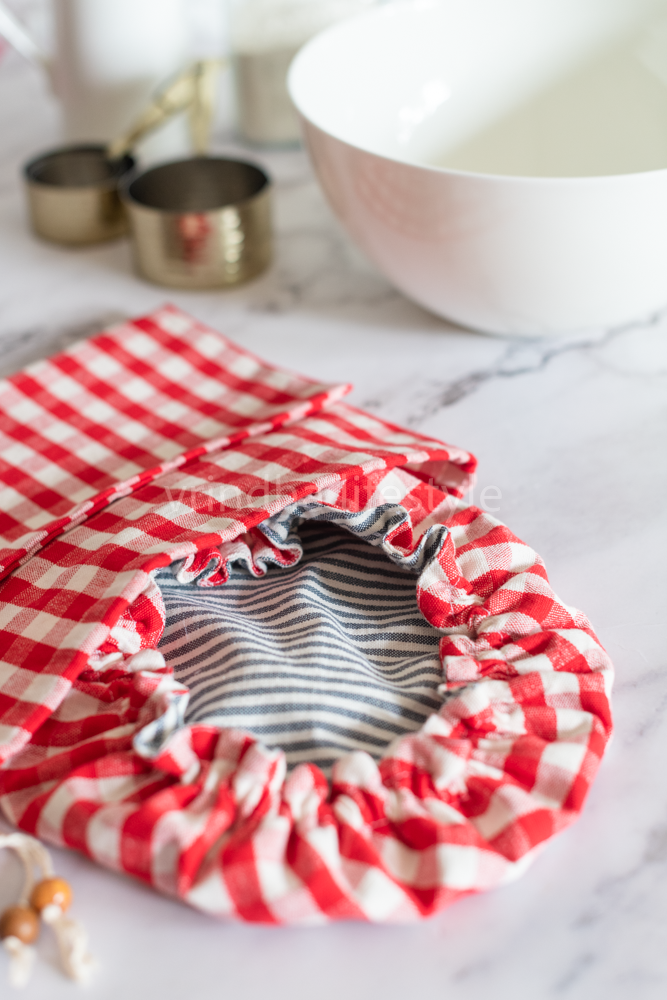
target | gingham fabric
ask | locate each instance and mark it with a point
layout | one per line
(160, 443)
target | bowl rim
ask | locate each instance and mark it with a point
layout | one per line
(401, 7)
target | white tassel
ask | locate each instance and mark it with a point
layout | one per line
(21, 959)
(33, 855)
(72, 941)
(71, 938)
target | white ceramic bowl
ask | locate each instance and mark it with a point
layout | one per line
(501, 161)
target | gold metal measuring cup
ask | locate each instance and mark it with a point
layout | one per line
(201, 223)
(73, 191)
(73, 195)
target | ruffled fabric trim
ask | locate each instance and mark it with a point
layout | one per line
(459, 806)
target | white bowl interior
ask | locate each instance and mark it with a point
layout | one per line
(519, 87)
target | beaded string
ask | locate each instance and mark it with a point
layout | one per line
(46, 896)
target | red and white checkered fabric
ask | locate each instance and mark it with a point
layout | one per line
(161, 441)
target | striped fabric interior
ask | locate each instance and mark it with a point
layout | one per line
(325, 657)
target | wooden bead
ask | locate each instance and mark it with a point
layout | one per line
(20, 922)
(51, 892)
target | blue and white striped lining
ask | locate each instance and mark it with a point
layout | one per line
(324, 657)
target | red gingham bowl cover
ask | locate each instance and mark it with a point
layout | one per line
(159, 440)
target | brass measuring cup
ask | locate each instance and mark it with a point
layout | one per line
(204, 222)
(73, 195)
(73, 191)
(201, 222)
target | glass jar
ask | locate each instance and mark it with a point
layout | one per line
(265, 37)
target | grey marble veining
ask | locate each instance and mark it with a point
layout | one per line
(572, 437)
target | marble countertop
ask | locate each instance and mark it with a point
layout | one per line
(572, 435)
